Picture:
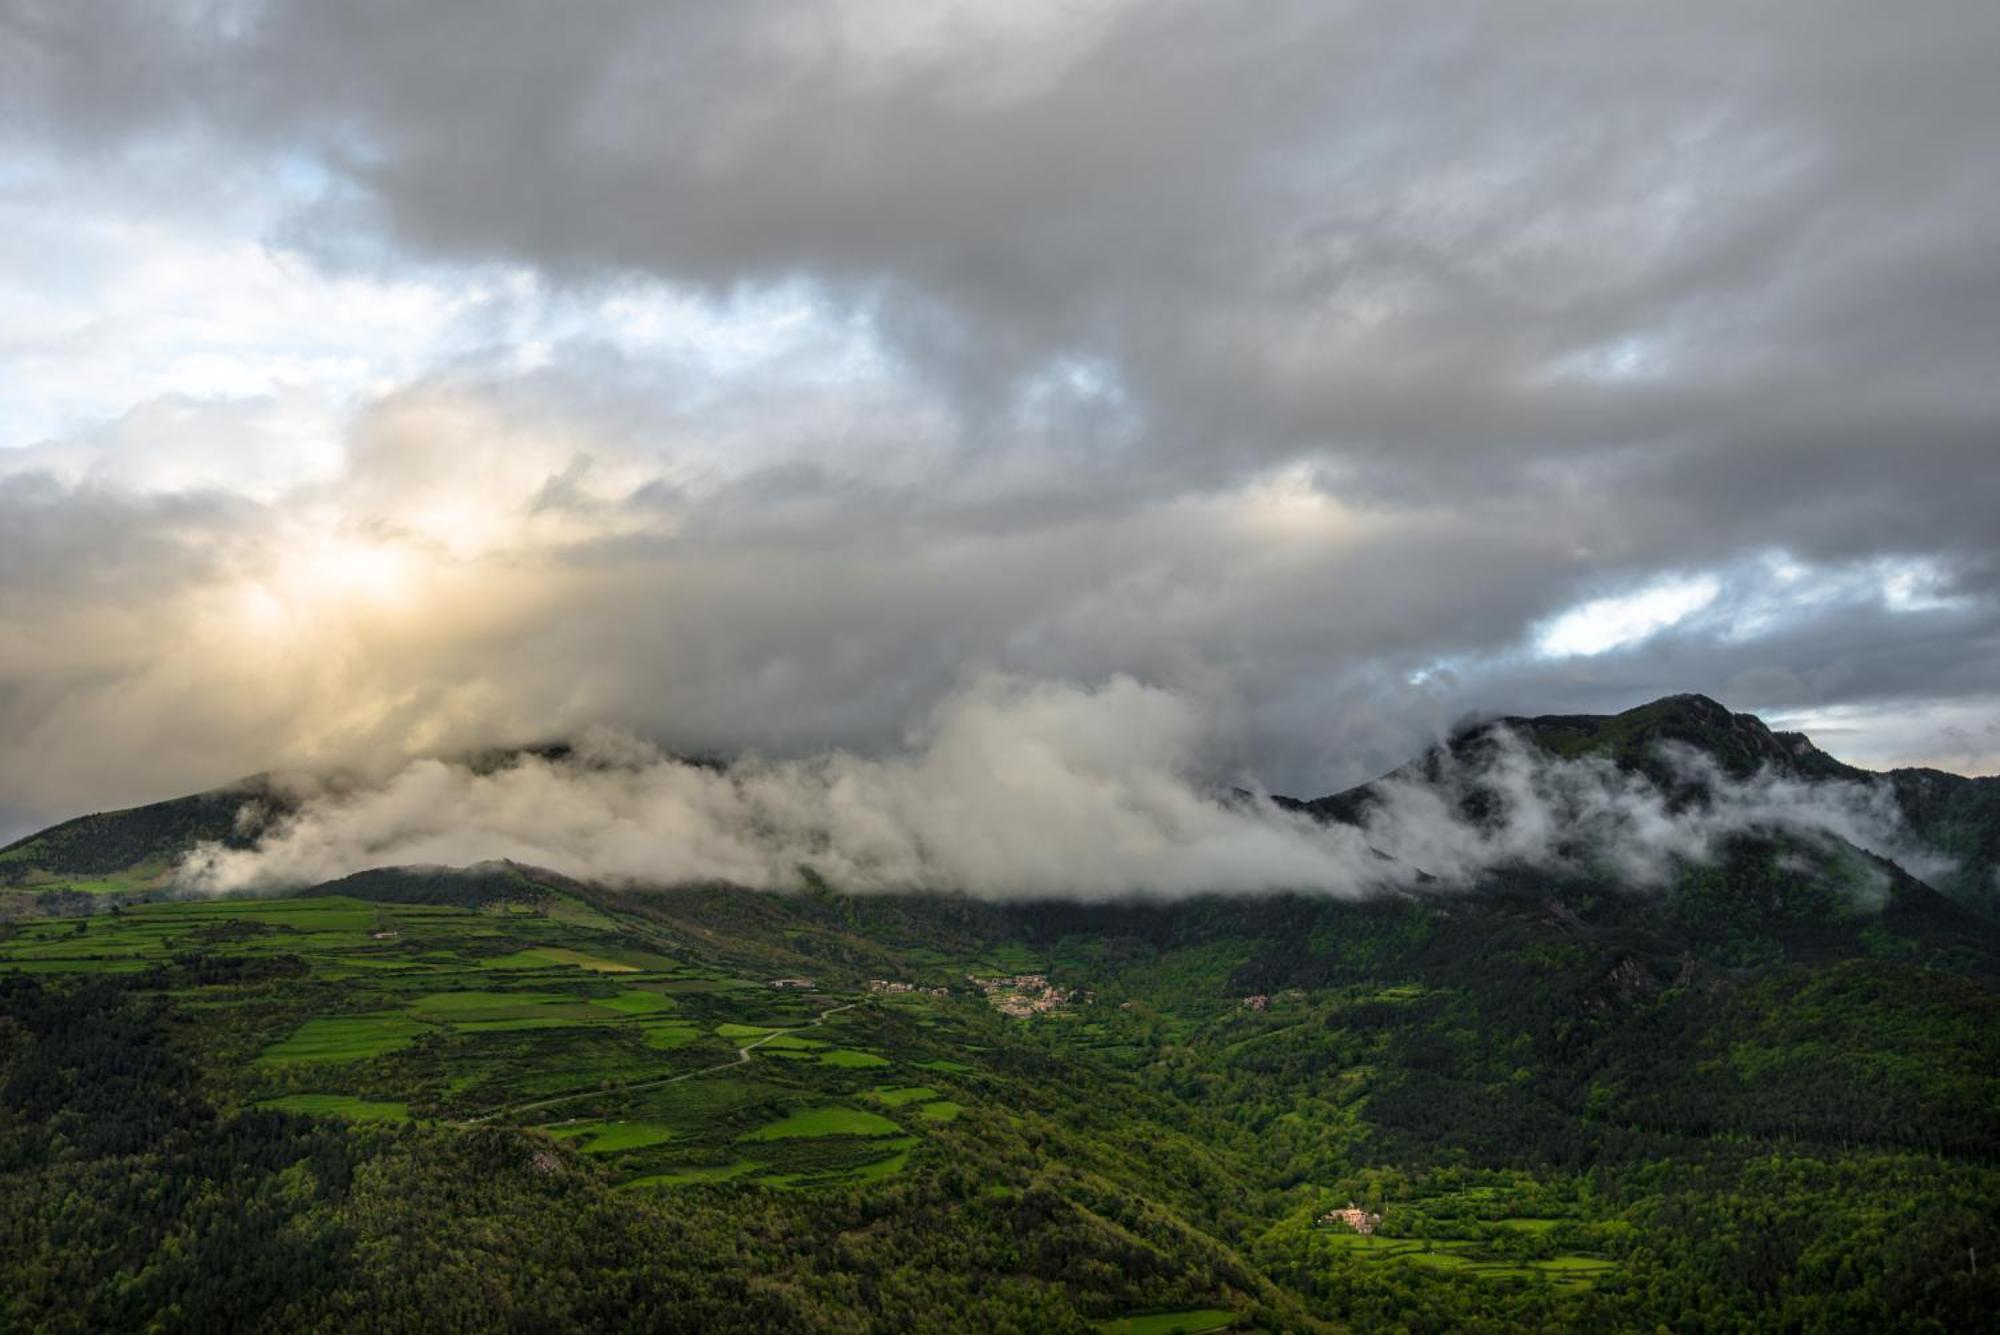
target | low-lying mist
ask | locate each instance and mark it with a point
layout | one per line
(1028, 789)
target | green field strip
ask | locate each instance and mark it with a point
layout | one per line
(343, 1038)
(341, 1105)
(826, 1121)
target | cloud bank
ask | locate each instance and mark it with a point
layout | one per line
(1021, 789)
(382, 380)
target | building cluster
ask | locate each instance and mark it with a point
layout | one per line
(1259, 1001)
(800, 984)
(886, 985)
(1354, 1217)
(1025, 994)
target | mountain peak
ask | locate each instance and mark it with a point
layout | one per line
(1741, 744)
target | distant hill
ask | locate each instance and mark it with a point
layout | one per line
(135, 849)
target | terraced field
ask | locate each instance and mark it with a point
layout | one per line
(834, 1121)
(668, 1066)
(1473, 1258)
(340, 1105)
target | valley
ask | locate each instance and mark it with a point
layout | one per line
(1546, 1102)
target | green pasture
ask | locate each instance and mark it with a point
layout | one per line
(341, 1105)
(638, 1002)
(473, 1005)
(852, 1059)
(828, 1121)
(555, 957)
(1527, 1225)
(343, 1038)
(1470, 1258)
(612, 1137)
(694, 1175)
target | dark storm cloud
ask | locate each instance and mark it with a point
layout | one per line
(1441, 246)
(1308, 357)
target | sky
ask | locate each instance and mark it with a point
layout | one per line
(381, 380)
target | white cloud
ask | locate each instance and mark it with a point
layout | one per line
(124, 310)
(1627, 619)
(1018, 788)
(1956, 735)
(114, 310)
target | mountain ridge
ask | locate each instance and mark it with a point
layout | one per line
(134, 850)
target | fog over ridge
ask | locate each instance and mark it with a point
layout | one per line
(1032, 789)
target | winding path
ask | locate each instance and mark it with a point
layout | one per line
(741, 1058)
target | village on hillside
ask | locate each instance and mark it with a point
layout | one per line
(885, 986)
(1354, 1217)
(1023, 994)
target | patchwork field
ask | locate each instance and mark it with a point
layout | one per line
(1162, 1155)
(1474, 1258)
(340, 1105)
(824, 1122)
(671, 1067)
(343, 1039)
